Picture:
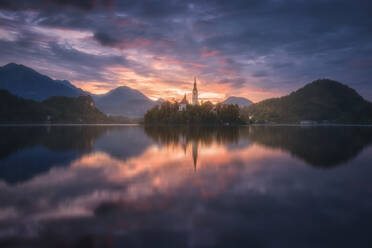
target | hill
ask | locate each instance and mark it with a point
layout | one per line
(240, 101)
(24, 82)
(323, 100)
(124, 101)
(55, 109)
(27, 83)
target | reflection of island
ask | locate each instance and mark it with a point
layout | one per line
(318, 146)
(173, 135)
(29, 151)
(192, 135)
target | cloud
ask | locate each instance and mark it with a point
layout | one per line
(208, 52)
(105, 39)
(76, 57)
(235, 82)
(45, 4)
(282, 44)
(260, 74)
(108, 40)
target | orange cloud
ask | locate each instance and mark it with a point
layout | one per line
(206, 53)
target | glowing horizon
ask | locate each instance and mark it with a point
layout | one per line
(170, 93)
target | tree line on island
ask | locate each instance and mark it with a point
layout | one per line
(203, 114)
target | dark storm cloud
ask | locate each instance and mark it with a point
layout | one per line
(84, 62)
(28, 50)
(105, 39)
(43, 4)
(290, 41)
(235, 82)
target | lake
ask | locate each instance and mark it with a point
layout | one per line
(135, 186)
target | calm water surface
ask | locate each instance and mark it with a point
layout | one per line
(106, 186)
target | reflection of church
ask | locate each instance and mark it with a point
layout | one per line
(194, 151)
(195, 100)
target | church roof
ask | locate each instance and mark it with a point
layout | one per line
(184, 101)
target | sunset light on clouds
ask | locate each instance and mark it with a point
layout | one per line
(157, 47)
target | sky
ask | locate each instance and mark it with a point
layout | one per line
(251, 48)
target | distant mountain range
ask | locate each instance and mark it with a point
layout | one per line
(240, 101)
(124, 101)
(323, 100)
(26, 83)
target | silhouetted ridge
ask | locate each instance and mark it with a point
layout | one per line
(323, 100)
(55, 109)
(240, 101)
(27, 83)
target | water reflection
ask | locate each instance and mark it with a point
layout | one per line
(318, 146)
(186, 136)
(28, 151)
(325, 146)
(96, 186)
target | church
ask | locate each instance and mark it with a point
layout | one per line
(195, 100)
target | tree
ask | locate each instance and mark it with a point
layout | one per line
(204, 114)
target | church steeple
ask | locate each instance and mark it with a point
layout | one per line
(195, 94)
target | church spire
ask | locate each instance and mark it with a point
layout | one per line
(195, 94)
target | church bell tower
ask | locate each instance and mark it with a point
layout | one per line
(195, 94)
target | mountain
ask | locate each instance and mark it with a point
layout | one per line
(54, 109)
(240, 101)
(24, 82)
(323, 100)
(124, 101)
